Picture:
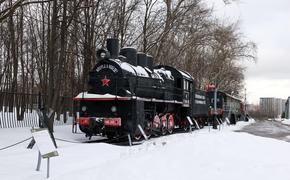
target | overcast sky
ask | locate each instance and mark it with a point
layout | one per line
(267, 23)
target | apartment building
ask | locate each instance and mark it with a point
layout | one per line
(287, 108)
(272, 107)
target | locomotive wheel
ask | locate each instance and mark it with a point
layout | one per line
(201, 124)
(185, 126)
(110, 135)
(163, 130)
(164, 124)
(137, 137)
(148, 133)
(148, 129)
(170, 131)
(170, 124)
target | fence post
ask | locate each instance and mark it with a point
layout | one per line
(40, 123)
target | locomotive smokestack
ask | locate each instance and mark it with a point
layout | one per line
(141, 59)
(113, 47)
(131, 55)
(150, 62)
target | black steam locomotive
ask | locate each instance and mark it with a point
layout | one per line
(125, 91)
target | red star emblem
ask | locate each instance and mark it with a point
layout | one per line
(105, 81)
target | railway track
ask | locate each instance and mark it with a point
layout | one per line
(123, 141)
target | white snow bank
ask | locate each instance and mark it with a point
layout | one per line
(286, 121)
(202, 155)
(282, 120)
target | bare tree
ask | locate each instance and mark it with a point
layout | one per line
(49, 46)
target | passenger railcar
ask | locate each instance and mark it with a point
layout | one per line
(227, 106)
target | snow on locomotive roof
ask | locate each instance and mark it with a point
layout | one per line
(165, 72)
(156, 76)
(90, 96)
(147, 69)
(127, 67)
(141, 71)
(233, 97)
(135, 70)
(185, 74)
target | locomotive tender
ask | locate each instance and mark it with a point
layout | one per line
(125, 91)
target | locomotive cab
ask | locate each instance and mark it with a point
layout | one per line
(182, 86)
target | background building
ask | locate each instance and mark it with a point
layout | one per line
(272, 107)
(287, 109)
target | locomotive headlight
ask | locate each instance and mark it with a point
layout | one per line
(103, 55)
(84, 108)
(113, 109)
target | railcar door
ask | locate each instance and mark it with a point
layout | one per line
(186, 92)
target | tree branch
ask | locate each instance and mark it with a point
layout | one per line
(20, 3)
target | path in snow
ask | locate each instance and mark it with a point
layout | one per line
(271, 129)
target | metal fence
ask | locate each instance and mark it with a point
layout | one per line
(19, 110)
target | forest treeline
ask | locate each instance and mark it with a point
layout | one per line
(49, 46)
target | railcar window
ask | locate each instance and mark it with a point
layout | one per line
(185, 84)
(217, 100)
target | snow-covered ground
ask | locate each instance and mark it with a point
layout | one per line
(282, 120)
(286, 121)
(202, 155)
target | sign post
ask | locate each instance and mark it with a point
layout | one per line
(218, 122)
(214, 125)
(45, 146)
(38, 161)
